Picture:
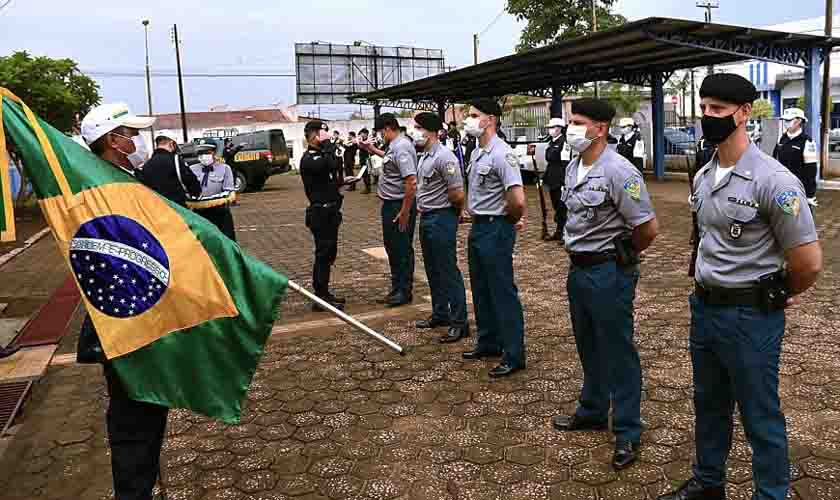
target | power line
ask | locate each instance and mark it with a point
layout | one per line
(495, 19)
(127, 74)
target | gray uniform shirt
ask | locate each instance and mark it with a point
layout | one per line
(437, 171)
(748, 221)
(493, 170)
(611, 200)
(219, 180)
(400, 161)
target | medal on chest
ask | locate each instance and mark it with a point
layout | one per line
(735, 230)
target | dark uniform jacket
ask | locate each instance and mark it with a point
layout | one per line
(792, 154)
(625, 147)
(555, 173)
(159, 175)
(320, 172)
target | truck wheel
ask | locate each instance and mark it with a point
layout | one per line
(240, 182)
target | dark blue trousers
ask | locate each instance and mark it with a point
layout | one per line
(438, 239)
(399, 246)
(735, 354)
(498, 311)
(601, 305)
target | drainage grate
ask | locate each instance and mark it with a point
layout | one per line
(11, 399)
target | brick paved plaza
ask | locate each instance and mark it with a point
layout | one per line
(332, 414)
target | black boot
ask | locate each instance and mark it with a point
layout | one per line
(693, 490)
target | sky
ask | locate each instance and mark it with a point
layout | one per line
(259, 35)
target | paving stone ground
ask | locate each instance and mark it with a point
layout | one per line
(332, 414)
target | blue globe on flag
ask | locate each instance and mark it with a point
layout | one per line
(121, 268)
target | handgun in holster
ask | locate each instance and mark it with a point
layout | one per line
(625, 254)
(773, 291)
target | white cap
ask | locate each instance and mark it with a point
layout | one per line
(626, 122)
(107, 117)
(791, 113)
(556, 122)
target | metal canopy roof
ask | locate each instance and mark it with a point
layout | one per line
(634, 53)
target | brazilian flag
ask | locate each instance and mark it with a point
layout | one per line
(183, 314)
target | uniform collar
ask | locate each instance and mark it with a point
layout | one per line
(491, 144)
(596, 171)
(432, 152)
(794, 136)
(743, 169)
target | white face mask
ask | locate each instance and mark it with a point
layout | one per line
(555, 132)
(626, 130)
(418, 137)
(473, 128)
(206, 160)
(576, 138)
(141, 151)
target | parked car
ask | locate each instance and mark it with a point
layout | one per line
(678, 142)
(260, 155)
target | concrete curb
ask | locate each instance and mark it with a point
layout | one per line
(6, 257)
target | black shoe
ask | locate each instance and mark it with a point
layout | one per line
(5, 352)
(316, 308)
(626, 453)
(504, 369)
(693, 490)
(455, 334)
(387, 298)
(332, 298)
(431, 323)
(480, 353)
(399, 300)
(575, 423)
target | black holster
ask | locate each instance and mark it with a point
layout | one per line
(625, 254)
(773, 291)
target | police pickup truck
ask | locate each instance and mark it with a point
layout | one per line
(258, 156)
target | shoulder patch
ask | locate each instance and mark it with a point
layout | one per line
(789, 202)
(512, 160)
(633, 187)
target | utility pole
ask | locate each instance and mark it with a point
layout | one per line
(148, 74)
(595, 29)
(826, 93)
(177, 43)
(475, 48)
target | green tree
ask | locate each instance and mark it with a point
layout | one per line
(55, 89)
(625, 98)
(551, 21)
(800, 103)
(761, 108)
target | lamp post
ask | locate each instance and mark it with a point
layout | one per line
(148, 73)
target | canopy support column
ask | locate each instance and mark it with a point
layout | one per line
(812, 99)
(658, 132)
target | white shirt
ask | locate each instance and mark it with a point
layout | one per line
(720, 172)
(583, 170)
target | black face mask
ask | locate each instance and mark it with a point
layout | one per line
(718, 129)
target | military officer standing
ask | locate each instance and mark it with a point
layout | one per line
(611, 220)
(440, 200)
(758, 250)
(557, 155)
(630, 144)
(798, 152)
(396, 189)
(320, 171)
(363, 159)
(496, 201)
(217, 190)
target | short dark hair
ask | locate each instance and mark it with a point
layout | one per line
(403, 129)
(364, 131)
(387, 120)
(352, 133)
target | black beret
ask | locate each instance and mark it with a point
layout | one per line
(487, 106)
(594, 109)
(429, 121)
(386, 120)
(728, 87)
(315, 125)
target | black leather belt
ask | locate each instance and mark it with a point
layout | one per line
(332, 204)
(728, 296)
(486, 219)
(589, 259)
